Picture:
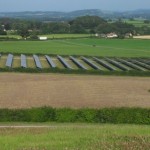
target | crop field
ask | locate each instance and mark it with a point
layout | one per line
(89, 47)
(76, 137)
(73, 91)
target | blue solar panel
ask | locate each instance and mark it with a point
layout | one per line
(117, 64)
(141, 64)
(104, 64)
(91, 63)
(37, 61)
(23, 61)
(78, 63)
(9, 60)
(50, 61)
(131, 65)
(63, 61)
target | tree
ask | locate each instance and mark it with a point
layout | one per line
(146, 21)
(2, 32)
(34, 35)
(88, 22)
(23, 32)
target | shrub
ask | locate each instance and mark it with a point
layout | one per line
(106, 115)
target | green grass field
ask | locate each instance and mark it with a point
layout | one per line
(136, 23)
(91, 47)
(76, 137)
(51, 36)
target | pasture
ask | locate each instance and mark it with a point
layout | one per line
(76, 136)
(50, 36)
(89, 47)
(137, 23)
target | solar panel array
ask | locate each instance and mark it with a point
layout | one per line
(9, 60)
(63, 61)
(101, 62)
(140, 64)
(117, 64)
(145, 61)
(91, 63)
(131, 65)
(50, 61)
(78, 63)
(23, 61)
(37, 61)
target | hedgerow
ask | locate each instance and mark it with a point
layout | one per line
(85, 115)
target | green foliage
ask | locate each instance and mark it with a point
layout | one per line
(88, 22)
(83, 24)
(23, 32)
(34, 35)
(106, 115)
(41, 114)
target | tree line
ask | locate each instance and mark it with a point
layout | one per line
(85, 24)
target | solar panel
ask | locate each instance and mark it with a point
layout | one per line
(103, 63)
(37, 61)
(9, 60)
(117, 64)
(50, 61)
(23, 61)
(91, 63)
(63, 61)
(78, 63)
(130, 64)
(144, 65)
(144, 61)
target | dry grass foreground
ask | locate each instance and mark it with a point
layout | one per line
(34, 90)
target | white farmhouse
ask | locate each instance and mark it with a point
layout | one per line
(112, 35)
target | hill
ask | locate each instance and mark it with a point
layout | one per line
(62, 16)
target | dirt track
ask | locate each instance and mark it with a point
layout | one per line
(32, 90)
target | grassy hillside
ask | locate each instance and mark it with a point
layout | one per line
(75, 137)
(92, 47)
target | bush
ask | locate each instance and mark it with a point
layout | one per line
(106, 115)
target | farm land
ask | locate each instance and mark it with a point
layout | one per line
(88, 47)
(74, 92)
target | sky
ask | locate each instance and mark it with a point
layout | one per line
(71, 5)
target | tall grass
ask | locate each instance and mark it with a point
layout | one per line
(77, 137)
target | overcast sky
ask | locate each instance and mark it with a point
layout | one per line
(70, 5)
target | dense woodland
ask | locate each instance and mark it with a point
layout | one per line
(85, 24)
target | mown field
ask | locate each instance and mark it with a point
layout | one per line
(76, 137)
(50, 36)
(91, 47)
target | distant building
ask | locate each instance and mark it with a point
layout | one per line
(43, 38)
(128, 35)
(112, 35)
(96, 34)
(103, 35)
